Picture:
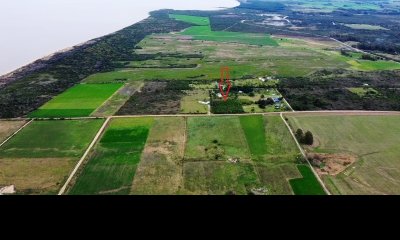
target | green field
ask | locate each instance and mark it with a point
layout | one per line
(293, 57)
(50, 139)
(280, 144)
(112, 167)
(253, 127)
(215, 138)
(204, 32)
(79, 101)
(308, 185)
(201, 21)
(373, 140)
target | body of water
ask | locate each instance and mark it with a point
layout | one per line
(31, 29)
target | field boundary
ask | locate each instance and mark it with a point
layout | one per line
(16, 132)
(305, 156)
(78, 165)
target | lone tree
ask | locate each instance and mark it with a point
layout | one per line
(308, 138)
(299, 135)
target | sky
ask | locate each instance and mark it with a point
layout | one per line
(31, 29)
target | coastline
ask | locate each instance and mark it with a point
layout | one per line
(6, 76)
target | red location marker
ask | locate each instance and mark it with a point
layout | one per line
(225, 83)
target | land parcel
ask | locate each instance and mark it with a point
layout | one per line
(39, 158)
(241, 155)
(160, 168)
(356, 154)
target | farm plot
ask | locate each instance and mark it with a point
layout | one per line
(216, 138)
(195, 101)
(160, 169)
(219, 178)
(79, 101)
(372, 140)
(51, 139)
(278, 165)
(113, 164)
(40, 157)
(203, 32)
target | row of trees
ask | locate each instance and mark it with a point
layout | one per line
(305, 138)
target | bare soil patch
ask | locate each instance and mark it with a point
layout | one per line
(331, 164)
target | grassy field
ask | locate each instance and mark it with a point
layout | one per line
(190, 102)
(292, 58)
(39, 159)
(160, 168)
(276, 177)
(219, 178)
(203, 32)
(365, 27)
(373, 140)
(113, 164)
(308, 185)
(329, 6)
(35, 176)
(215, 138)
(280, 144)
(7, 128)
(79, 101)
(253, 127)
(52, 139)
(362, 92)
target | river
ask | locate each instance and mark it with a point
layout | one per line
(32, 29)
